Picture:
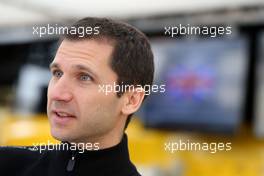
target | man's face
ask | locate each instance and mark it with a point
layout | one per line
(76, 109)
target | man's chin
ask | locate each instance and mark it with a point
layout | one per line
(60, 135)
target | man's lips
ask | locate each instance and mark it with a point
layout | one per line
(62, 118)
(63, 114)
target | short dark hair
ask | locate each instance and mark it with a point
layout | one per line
(132, 57)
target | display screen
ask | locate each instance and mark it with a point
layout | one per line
(204, 82)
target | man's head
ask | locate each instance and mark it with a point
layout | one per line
(119, 54)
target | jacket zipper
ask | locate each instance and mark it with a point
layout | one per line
(71, 162)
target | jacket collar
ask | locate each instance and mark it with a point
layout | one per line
(114, 159)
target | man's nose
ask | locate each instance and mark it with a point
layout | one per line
(61, 90)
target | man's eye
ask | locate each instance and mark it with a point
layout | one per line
(85, 77)
(57, 73)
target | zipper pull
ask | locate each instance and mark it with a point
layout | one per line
(71, 164)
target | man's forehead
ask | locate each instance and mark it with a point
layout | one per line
(84, 54)
(85, 49)
(85, 44)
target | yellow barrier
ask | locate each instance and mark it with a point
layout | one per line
(147, 148)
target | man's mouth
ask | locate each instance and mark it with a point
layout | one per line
(64, 114)
(62, 118)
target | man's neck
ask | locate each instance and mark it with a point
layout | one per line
(103, 142)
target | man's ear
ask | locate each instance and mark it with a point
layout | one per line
(133, 100)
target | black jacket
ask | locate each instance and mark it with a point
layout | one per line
(26, 161)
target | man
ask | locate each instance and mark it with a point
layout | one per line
(82, 110)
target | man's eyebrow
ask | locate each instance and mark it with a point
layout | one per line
(54, 65)
(85, 68)
(77, 67)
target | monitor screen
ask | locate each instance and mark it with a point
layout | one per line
(204, 85)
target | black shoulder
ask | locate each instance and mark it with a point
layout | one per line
(18, 153)
(15, 159)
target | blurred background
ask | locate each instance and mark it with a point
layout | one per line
(214, 85)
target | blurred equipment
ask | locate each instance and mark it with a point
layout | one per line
(32, 86)
(259, 95)
(205, 85)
